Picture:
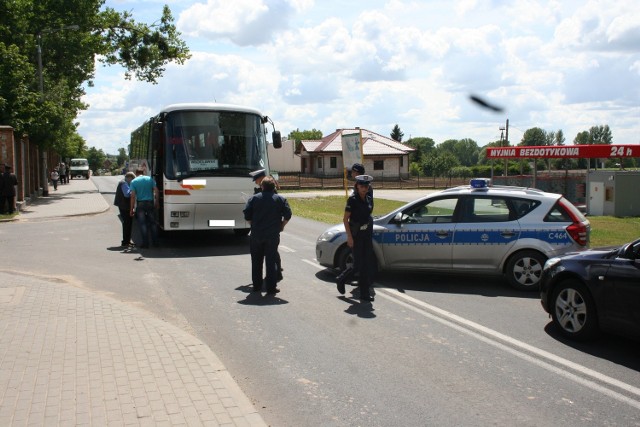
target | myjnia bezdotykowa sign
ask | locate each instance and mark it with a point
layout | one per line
(564, 151)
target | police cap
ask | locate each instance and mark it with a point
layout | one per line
(364, 179)
(358, 168)
(255, 175)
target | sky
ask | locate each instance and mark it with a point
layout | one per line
(329, 64)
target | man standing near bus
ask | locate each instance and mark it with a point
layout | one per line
(257, 177)
(144, 202)
(268, 213)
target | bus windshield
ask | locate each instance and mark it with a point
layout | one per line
(213, 143)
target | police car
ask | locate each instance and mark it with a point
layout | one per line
(477, 229)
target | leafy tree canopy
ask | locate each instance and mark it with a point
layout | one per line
(299, 135)
(72, 36)
(534, 136)
(423, 146)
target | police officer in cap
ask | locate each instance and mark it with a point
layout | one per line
(356, 170)
(358, 224)
(267, 213)
(257, 177)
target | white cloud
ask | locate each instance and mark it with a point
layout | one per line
(327, 64)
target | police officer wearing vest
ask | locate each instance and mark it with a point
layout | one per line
(358, 224)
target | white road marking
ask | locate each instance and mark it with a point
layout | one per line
(286, 249)
(493, 338)
(314, 264)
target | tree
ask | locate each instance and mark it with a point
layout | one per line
(300, 135)
(422, 146)
(534, 136)
(122, 157)
(440, 164)
(467, 152)
(396, 133)
(95, 158)
(72, 35)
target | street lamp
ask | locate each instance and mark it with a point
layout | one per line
(45, 178)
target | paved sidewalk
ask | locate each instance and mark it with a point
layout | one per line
(71, 356)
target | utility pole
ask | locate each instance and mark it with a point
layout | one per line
(504, 130)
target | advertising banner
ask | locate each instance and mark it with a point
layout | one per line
(351, 149)
(564, 151)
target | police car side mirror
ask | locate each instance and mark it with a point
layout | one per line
(398, 218)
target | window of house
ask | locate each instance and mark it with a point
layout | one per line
(378, 165)
(319, 162)
(401, 161)
(333, 162)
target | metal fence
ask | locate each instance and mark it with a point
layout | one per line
(571, 184)
(298, 181)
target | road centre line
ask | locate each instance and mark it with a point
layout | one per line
(493, 338)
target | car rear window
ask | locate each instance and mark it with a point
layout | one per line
(564, 211)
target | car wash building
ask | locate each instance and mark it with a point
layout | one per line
(607, 192)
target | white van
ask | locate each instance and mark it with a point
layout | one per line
(79, 167)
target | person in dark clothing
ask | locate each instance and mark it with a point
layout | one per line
(8, 182)
(268, 213)
(358, 224)
(257, 177)
(123, 201)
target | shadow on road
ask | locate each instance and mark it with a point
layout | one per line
(619, 350)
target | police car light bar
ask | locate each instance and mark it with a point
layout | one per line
(480, 182)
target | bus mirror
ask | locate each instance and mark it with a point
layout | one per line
(277, 140)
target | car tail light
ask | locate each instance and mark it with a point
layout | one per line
(578, 230)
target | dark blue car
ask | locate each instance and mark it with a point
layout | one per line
(594, 290)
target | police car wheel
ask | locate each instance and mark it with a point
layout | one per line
(345, 258)
(524, 270)
(574, 312)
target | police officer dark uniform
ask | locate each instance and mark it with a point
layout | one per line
(358, 224)
(268, 213)
(257, 177)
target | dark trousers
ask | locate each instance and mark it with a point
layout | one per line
(363, 261)
(264, 250)
(145, 215)
(6, 204)
(127, 226)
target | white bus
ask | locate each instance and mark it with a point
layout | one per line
(201, 156)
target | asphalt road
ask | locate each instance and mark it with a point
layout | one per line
(431, 350)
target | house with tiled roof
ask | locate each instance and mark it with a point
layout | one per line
(383, 156)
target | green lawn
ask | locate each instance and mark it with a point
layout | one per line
(605, 230)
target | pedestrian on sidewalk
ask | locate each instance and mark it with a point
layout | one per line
(54, 178)
(62, 170)
(123, 201)
(144, 201)
(268, 213)
(8, 184)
